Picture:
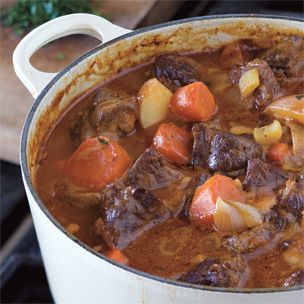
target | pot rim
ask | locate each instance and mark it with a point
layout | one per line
(52, 219)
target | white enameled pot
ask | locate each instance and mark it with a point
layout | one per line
(76, 273)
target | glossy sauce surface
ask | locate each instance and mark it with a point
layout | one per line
(173, 247)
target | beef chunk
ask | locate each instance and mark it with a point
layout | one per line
(110, 111)
(152, 190)
(238, 53)
(213, 272)
(250, 240)
(173, 186)
(175, 71)
(292, 199)
(286, 58)
(260, 174)
(268, 89)
(275, 221)
(258, 236)
(203, 137)
(296, 279)
(222, 151)
(152, 171)
(125, 213)
(199, 178)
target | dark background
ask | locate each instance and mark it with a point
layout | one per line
(22, 274)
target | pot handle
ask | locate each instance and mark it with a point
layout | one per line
(35, 80)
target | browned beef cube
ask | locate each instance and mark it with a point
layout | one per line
(238, 53)
(110, 111)
(152, 171)
(269, 87)
(152, 190)
(125, 213)
(258, 236)
(260, 174)
(214, 272)
(292, 199)
(296, 279)
(251, 239)
(222, 151)
(174, 71)
(286, 58)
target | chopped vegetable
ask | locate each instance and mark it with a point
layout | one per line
(288, 107)
(193, 102)
(295, 161)
(153, 99)
(227, 218)
(203, 203)
(239, 130)
(297, 135)
(72, 228)
(276, 153)
(117, 256)
(95, 163)
(248, 82)
(269, 134)
(249, 214)
(173, 142)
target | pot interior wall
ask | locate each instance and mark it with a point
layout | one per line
(137, 48)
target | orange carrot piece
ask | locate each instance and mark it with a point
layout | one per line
(96, 163)
(117, 256)
(203, 203)
(173, 142)
(276, 153)
(193, 102)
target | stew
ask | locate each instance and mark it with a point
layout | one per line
(190, 167)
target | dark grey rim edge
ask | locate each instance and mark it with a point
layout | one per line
(24, 167)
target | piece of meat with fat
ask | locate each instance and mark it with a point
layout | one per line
(125, 213)
(218, 273)
(200, 176)
(170, 183)
(249, 240)
(218, 150)
(175, 71)
(258, 236)
(286, 58)
(296, 279)
(263, 175)
(150, 192)
(268, 89)
(292, 199)
(238, 53)
(152, 171)
(110, 111)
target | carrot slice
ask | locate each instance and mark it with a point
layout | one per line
(276, 153)
(203, 203)
(193, 102)
(117, 256)
(96, 163)
(173, 142)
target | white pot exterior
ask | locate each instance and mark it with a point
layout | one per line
(78, 275)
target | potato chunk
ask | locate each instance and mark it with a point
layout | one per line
(153, 99)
